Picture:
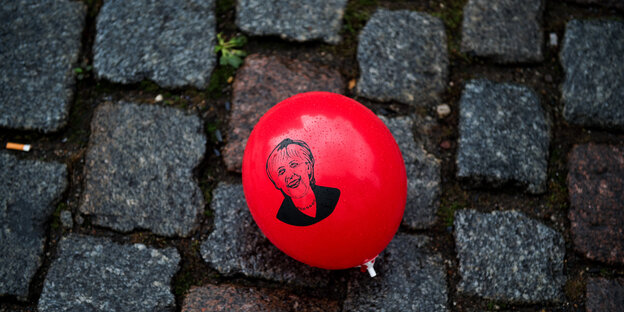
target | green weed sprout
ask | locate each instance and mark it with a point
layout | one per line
(230, 55)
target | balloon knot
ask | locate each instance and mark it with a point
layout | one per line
(368, 266)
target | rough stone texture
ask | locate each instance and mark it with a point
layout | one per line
(592, 57)
(292, 19)
(402, 57)
(66, 219)
(506, 31)
(139, 167)
(96, 274)
(262, 82)
(39, 47)
(605, 295)
(237, 246)
(596, 189)
(608, 3)
(240, 298)
(423, 175)
(503, 135)
(28, 191)
(170, 42)
(409, 278)
(507, 256)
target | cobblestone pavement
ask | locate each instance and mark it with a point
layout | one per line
(509, 116)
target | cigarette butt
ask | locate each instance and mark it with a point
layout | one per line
(351, 84)
(18, 147)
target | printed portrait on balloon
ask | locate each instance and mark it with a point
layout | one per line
(290, 167)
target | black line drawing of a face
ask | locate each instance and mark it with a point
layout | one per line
(290, 167)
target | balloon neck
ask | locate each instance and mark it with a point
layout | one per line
(368, 266)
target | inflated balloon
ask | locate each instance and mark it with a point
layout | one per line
(324, 180)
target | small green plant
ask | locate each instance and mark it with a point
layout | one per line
(447, 212)
(230, 55)
(81, 73)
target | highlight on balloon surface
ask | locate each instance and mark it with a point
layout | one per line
(325, 181)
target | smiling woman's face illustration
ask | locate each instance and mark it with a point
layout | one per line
(291, 175)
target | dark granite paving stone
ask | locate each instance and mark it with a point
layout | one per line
(409, 278)
(237, 245)
(423, 175)
(28, 191)
(139, 169)
(39, 47)
(402, 57)
(596, 189)
(507, 256)
(240, 298)
(170, 42)
(96, 274)
(506, 31)
(605, 295)
(503, 135)
(292, 19)
(592, 57)
(262, 82)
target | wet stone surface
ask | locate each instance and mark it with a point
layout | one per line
(605, 295)
(138, 169)
(239, 298)
(237, 246)
(28, 191)
(262, 82)
(292, 19)
(96, 274)
(423, 175)
(39, 47)
(170, 42)
(503, 136)
(507, 256)
(596, 189)
(409, 278)
(505, 31)
(402, 57)
(593, 89)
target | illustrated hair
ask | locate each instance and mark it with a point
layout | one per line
(289, 148)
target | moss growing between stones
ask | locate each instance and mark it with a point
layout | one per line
(355, 17)
(452, 14)
(183, 283)
(149, 86)
(56, 216)
(447, 211)
(218, 81)
(223, 6)
(356, 14)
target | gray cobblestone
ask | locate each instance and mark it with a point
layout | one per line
(402, 57)
(39, 48)
(170, 42)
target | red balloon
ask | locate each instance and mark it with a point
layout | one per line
(324, 180)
